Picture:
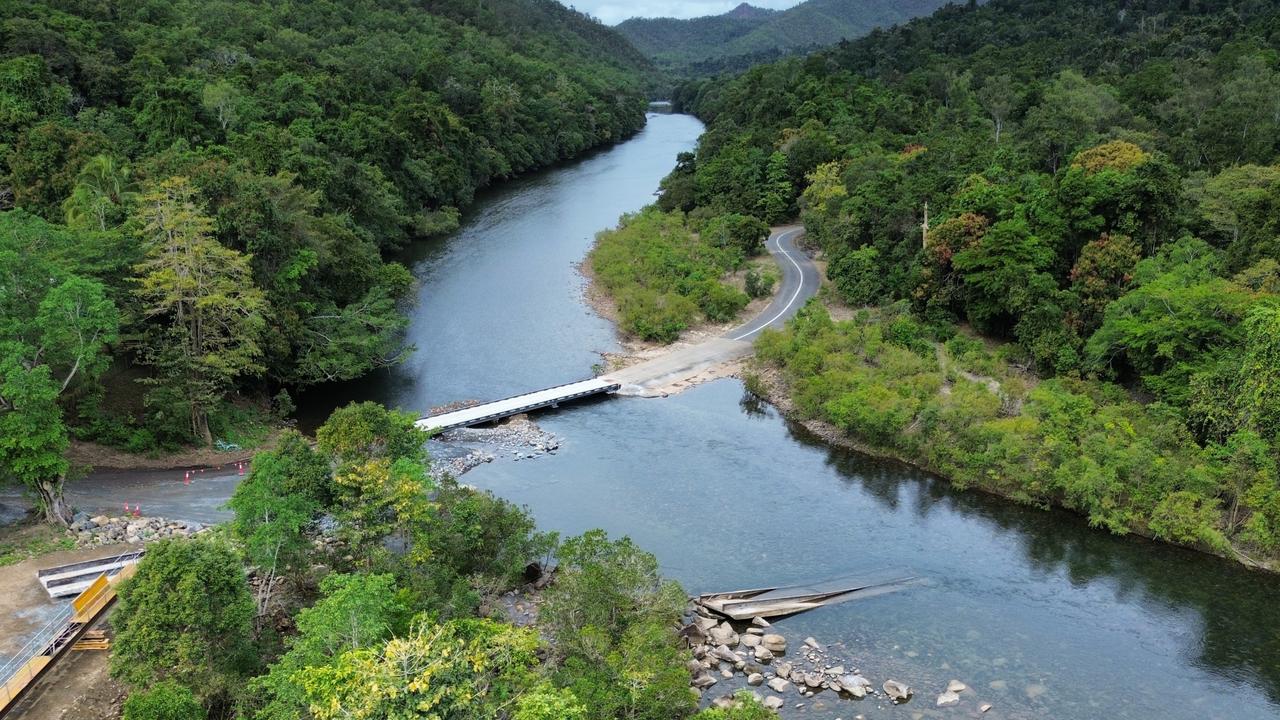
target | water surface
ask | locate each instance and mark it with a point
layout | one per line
(1043, 616)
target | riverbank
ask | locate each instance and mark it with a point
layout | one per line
(888, 392)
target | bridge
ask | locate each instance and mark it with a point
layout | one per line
(800, 281)
(498, 409)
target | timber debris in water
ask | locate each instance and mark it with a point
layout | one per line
(791, 599)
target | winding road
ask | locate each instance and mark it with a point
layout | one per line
(800, 281)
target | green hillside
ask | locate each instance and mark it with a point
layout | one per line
(1102, 180)
(279, 151)
(747, 35)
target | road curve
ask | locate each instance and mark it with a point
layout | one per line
(683, 366)
(800, 281)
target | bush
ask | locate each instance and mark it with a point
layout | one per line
(659, 318)
(165, 701)
(721, 303)
(760, 284)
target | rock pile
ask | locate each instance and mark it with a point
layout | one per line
(722, 651)
(518, 438)
(102, 530)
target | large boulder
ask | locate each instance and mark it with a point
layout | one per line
(779, 685)
(755, 679)
(948, 699)
(773, 702)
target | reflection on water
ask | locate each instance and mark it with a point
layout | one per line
(1044, 617)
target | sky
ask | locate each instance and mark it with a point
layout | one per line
(612, 12)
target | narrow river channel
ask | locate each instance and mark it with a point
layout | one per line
(1042, 616)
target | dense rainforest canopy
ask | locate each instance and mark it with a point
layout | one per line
(1100, 185)
(210, 190)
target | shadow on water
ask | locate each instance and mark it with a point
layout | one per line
(1239, 609)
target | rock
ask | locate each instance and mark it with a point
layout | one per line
(948, 699)
(704, 680)
(774, 643)
(724, 702)
(763, 654)
(750, 640)
(811, 643)
(723, 634)
(705, 622)
(722, 652)
(813, 679)
(855, 685)
(726, 673)
(755, 631)
(984, 707)
(760, 622)
(956, 686)
(694, 667)
(897, 692)
(837, 670)
(783, 670)
(755, 679)
(693, 634)
(779, 685)
(773, 702)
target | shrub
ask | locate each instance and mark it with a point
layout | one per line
(760, 284)
(165, 701)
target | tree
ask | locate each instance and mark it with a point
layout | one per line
(1101, 274)
(1073, 111)
(997, 97)
(54, 329)
(546, 702)
(203, 297)
(186, 616)
(460, 670)
(1241, 206)
(1260, 370)
(1002, 272)
(274, 505)
(102, 192)
(354, 611)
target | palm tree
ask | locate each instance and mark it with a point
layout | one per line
(102, 190)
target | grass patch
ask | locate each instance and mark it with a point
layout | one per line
(33, 540)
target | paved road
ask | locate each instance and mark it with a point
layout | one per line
(800, 281)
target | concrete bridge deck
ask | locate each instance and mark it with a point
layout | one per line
(498, 409)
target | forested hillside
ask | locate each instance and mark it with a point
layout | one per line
(202, 195)
(738, 39)
(1102, 188)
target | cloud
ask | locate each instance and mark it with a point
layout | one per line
(612, 12)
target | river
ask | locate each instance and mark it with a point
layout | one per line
(1042, 616)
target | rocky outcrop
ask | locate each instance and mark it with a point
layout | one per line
(103, 530)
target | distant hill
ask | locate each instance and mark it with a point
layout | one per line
(748, 34)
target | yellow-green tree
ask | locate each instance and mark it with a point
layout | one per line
(200, 296)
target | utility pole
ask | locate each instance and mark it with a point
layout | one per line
(924, 228)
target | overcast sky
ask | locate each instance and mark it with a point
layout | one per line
(612, 12)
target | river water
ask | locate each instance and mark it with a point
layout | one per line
(1042, 616)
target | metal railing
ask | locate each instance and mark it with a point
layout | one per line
(18, 668)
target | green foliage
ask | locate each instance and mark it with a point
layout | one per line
(1084, 445)
(208, 311)
(759, 283)
(663, 275)
(610, 617)
(185, 616)
(354, 611)
(746, 708)
(461, 669)
(56, 322)
(313, 142)
(165, 700)
(545, 702)
(361, 431)
(858, 276)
